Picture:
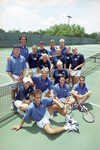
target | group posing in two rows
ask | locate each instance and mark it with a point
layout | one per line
(57, 64)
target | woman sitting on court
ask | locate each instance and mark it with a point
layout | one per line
(43, 62)
(75, 67)
(33, 59)
(58, 72)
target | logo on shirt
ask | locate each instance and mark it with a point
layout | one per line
(21, 61)
(78, 56)
(42, 106)
(64, 90)
(46, 83)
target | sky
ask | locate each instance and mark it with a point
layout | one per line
(33, 15)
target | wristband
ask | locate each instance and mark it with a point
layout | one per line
(63, 107)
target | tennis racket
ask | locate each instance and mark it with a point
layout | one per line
(88, 116)
(68, 108)
(73, 73)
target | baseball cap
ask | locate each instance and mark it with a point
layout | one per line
(16, 46)
(41, 42)
(26, 79)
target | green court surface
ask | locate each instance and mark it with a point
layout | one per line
(31, 137)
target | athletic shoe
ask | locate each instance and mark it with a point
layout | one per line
(68, 127)
(75, 106)
(83, 108)
(12, 106)
(71, 120)
(20, 112)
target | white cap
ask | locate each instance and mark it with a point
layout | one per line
(26, 79)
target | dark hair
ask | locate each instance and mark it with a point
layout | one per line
(62, 76)
(82, 77)
(37, 91)
(23, 36)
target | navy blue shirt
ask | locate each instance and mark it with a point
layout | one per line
(23, 51)
(42, 64)
(23, 93)
(77, 60)
(37, 112)
(56, 59)
(41, 52)
(57, 73)
(33, 59)
(68, 58)
(42, 84)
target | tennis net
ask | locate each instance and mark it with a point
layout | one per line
(92, 64)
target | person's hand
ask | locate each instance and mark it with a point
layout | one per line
(80, 96)
(15, 127)
(75, 69)
(69, 70)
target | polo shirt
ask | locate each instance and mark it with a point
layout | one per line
(56, 59)
(23, 93)
(61, 92)
(52, 52)
(81, 89)
(63, 50)
(16, 65)
(41, 52)
(42, 64)
(23, 51)
(32, 60)
(37, 112)
(42, 84)
(68, 58)
(57, 73)
(77, 60)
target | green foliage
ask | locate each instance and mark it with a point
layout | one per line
(61, 30)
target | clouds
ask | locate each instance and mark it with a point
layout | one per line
(32, 15)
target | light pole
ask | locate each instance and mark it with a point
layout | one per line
(69, 19)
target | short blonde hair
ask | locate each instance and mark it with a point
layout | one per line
(46, 56)
(52, 41)
(45, 69)
(34, 46)
(74, 48)
(60, 63)
(61, 40)
(58, 48)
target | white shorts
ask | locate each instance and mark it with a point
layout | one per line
(78, 73)
(44, 120)
(33, 70)
(19, 103)
(14, 86)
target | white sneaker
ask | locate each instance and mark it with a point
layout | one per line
(68, 127)
(71, 120)
(20, 112)
(12, 106)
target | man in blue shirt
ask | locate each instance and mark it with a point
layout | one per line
(14, 66)
(81, 92)
(52, 50)
(43, 82)
(62, 92)
(22, 98)
(62, 46)
(40, 113)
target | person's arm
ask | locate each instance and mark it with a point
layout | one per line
(88, 93)
(18, 127)
(51, 66)
(64, 66)
(26, 101)
(10, 74)
(70, 67)
(58, 102)
(79, 66)
(38, 70)
(51, 93)
(74, 93)
(67, 100)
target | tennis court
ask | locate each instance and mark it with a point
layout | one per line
(32, 137)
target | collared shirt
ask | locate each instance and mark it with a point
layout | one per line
(33, 60)
(68, 58)
(56, 59)
(16, 65)
(77, 60)
(23, 51)
(42, 84)
(23, 93)
(41, 52)
(81, 89)
(57, 73)
(42, 64)
(63, 50)
(61, 92)
(52, 52)
(37, 112)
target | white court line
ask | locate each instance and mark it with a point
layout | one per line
(3, 61)
(95, 104)
(3, 55)
(4, 75)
